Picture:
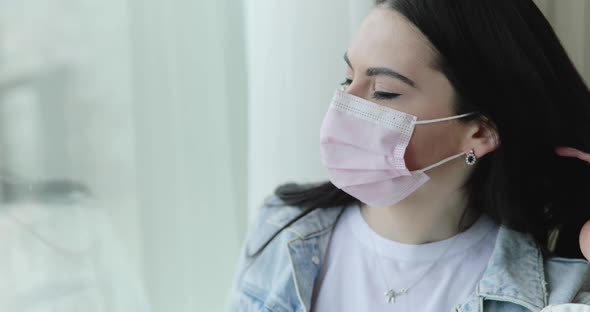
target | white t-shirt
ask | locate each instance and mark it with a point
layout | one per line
(351, 277)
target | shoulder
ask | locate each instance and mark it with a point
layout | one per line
(257, 275)
(275, 211)
(276, 214)
(568, 281)
(271, 216)
(265, 269)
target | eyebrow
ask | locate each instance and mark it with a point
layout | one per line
(377, 71)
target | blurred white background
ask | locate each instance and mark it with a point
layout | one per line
(180, 116)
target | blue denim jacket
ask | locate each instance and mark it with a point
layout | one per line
(281, 278)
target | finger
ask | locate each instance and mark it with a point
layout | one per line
(572, 152)
(567, 152)
(585, 240)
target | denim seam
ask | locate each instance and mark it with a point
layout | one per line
(541, 274)
(297, 291)
(289, 229)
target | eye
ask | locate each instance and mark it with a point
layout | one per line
(376, 95)
(385, 95)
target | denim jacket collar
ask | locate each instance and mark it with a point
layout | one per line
(319, 220)
(514, 272)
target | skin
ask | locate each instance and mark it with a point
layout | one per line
(584, 239)
(432, 213)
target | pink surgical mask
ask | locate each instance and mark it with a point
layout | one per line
(363, 146)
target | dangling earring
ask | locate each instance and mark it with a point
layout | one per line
(470, 159)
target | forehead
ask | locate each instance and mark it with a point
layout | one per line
(386, 39)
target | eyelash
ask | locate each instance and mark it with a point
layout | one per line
(376, 95)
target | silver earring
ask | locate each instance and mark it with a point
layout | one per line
(471, 159)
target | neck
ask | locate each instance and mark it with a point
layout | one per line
(419, 219)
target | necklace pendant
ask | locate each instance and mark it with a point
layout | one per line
(392, 294)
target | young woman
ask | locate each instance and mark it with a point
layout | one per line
(446, 191)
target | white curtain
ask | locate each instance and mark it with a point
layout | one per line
(571, 21)
(179, 116)
(189, 112)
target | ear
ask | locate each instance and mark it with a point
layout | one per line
(481, 137)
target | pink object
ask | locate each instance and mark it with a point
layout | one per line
(363, 146)
(572, 152)
(585, 232)
(585, 240)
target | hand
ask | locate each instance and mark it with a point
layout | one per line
(585, 232)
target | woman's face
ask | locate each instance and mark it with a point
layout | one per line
(389, 63)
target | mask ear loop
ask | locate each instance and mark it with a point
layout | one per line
(441, 162)
(421, 122)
